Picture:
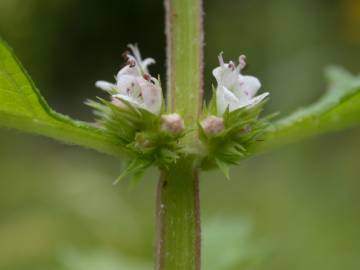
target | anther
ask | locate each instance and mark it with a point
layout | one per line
(242, 61)
(147, 77)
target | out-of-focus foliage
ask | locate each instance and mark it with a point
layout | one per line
(57, 202)
(338, 108)
(72, 260)
(238, 251)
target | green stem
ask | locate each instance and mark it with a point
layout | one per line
(184, 31)
(178, 204)
(178, 218)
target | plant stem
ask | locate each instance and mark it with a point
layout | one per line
(184, 30)
(178, 206)
(178, 218)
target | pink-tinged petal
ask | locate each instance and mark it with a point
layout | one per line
(151, 95)
(247, 87)
(128, 85)
(132, 70)
(106, 86)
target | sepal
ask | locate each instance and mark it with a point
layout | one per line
(224, 168)
(135, 168)
(141, 132)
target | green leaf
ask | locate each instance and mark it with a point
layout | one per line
(23, 108)
(338, 109)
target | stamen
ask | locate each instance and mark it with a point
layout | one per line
(125, 55)
(147, 62)
(131, 63)
(242, 61)
(135, 51)
(147, 77)
(231, 65)
(221, 60)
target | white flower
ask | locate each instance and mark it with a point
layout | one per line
(235, 90)
(134, 83)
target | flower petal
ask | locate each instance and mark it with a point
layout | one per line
(252, 102)
(246, 88)
(106, 86)
(226, 76)
(128, 85)
(129, 70)
(151, 94)
(224, 99)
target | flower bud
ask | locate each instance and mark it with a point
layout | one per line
(172, 123)
(213, 125)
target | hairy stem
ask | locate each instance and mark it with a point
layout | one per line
(178, 206)
(184, 30)
(178, 218)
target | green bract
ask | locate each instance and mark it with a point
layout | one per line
(141, 133)
(241, 128)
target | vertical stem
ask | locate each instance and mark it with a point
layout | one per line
(178, 205)
(178, 219)
(184, 30)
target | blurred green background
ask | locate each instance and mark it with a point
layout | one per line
(295, 208)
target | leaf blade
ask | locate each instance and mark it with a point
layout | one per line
(23, 108)
(338, 108)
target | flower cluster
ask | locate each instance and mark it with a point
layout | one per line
(134, 84)
(135, 117)
(231, 122)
